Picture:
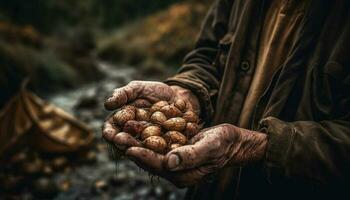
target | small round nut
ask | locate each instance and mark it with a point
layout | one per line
(175, 124)
(141, 103)
(151, 131)
(174, 146)
(142, 115)
(155, 143)
(180, 104)
(157, 106)
(133, 127)
(171, 111)
(175, 137)
(191, 116)
(158, 118)
(129, 107)
(191, 129)
(122, 116)
(146, 124)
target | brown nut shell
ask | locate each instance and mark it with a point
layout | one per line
(142, 115)
(157, 106)
(174, 146)
(122, 116)
(146, 124)
(155, 143)
(133, 127)
(141, 103)
(151, 131)
(171, 111)
(129, 107)
(175, 124)
(180, 104)
(191, 129)
(158, 118)
(175, 137)
(191, 116)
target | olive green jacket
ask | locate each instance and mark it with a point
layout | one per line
(305, 110)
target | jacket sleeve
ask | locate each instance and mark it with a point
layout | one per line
(198, 72)
(316, 151)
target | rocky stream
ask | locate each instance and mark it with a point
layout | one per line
(96, 175)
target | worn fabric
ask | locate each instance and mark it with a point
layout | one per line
(305, 109)
(281, 23)
(26, 119)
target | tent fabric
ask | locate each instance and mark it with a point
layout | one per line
(43, 125)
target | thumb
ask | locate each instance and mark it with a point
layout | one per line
(122, 96)
(188, 157)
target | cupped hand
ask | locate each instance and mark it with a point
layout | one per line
(208, 151)
(143, 92)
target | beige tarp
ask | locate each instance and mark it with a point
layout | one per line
(27, 119)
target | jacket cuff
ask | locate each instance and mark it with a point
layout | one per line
(281, 135)
(206, 108)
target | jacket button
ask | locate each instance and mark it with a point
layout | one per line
(245, 66)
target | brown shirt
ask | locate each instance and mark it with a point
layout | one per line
(282, 19)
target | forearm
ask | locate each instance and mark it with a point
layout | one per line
(252, 147)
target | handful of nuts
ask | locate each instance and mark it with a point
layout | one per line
(161, 127)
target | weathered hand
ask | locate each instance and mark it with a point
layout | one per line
(152, 92)
(210, 150)
(142, 94)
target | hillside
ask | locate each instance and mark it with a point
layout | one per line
(165, 36)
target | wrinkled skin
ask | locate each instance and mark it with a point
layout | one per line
(142, 93)
(208, 151)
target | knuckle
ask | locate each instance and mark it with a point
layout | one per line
(215, 144)
(116, 91)
(225, 127)
(135, 83)
(214, 149)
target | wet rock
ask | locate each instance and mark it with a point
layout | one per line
(47, 170)
(32, 167)
(158, 192)
(143, 192)
(19, 158)
(59, 163)
(100, 186)
(45, 188)
(11, 182)
(90, 157)
(119, 179)
(65, 185)
(87, 101)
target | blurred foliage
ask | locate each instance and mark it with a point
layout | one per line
(166, 36)
(46, 15)
(55, 42)
(50, 64)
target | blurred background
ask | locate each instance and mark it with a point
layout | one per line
(59, 59)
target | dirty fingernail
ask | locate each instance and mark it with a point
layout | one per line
(173, 161)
